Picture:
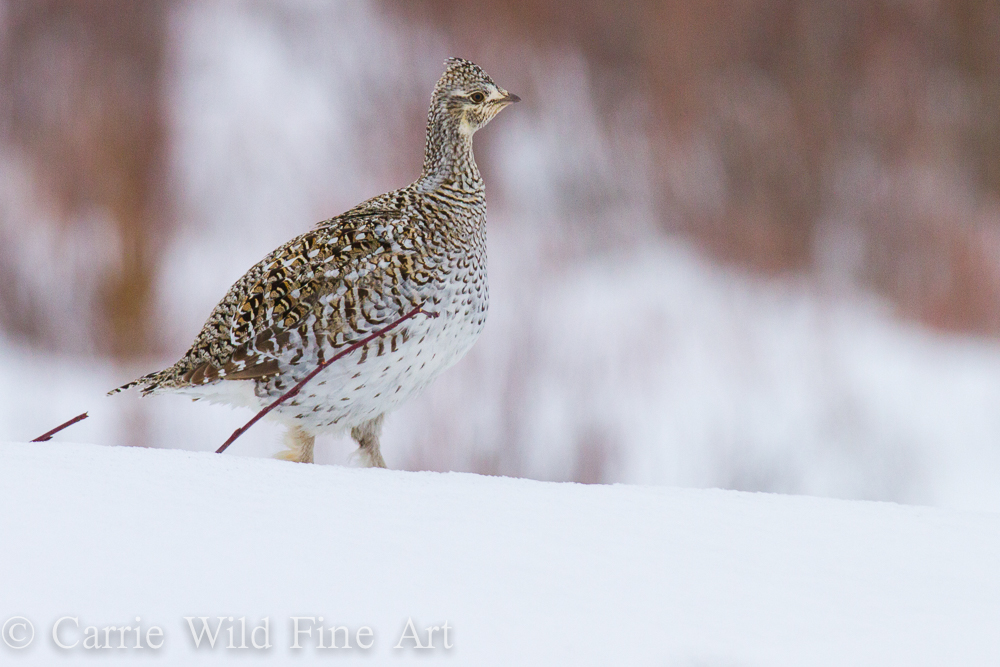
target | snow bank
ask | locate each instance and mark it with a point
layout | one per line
(523, 572)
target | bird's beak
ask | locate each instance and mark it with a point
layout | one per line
(509, 98)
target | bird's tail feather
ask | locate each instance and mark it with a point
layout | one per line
(148, 382)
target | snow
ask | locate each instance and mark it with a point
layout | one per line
(524, 572)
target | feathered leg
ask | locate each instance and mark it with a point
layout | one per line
(367, 436)
(299, 444)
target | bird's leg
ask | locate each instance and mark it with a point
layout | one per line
(366, 436)
(299, 444)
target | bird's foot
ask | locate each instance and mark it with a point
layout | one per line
(371, 458)
(300, 446)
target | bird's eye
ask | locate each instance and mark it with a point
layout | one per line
(477, 97)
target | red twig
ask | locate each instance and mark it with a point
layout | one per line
(48, 434)
(298, 387)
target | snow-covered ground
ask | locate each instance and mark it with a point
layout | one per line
(523, 572)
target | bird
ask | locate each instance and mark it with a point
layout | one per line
(420, 247)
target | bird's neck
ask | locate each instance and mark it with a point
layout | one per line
(448, 157)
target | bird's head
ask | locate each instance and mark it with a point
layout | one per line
(468, 96)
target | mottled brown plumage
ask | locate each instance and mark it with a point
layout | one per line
(423, 245)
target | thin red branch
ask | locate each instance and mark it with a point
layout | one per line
(48, 434)
(298, 387)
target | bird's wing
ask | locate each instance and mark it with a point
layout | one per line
(242, 336)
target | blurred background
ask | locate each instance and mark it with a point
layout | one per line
(751, 245)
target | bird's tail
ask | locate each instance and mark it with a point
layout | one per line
(149, 383)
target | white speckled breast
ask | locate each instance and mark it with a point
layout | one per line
(351, 391)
